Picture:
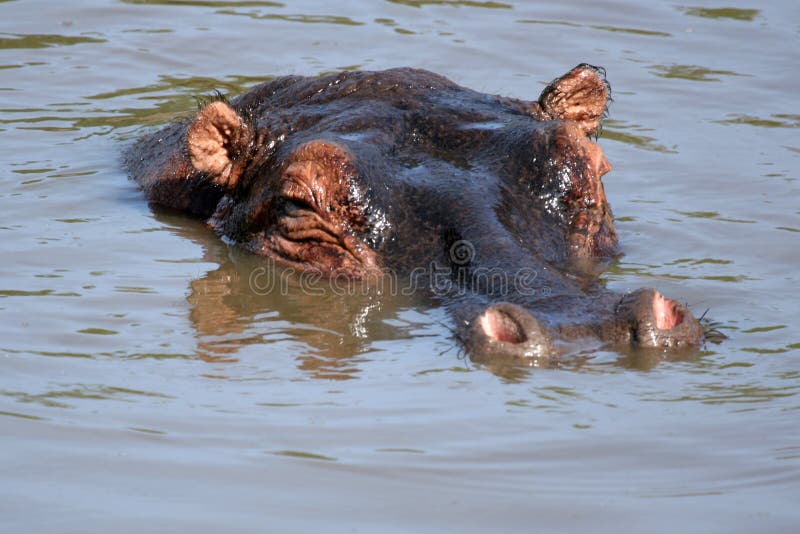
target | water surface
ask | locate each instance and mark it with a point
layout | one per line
(146, 385)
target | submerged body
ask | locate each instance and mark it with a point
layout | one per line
(493, 205)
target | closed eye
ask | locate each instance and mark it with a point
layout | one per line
(300, 221)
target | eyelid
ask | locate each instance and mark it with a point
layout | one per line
(295, 184)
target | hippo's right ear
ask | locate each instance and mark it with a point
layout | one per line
(218, 139)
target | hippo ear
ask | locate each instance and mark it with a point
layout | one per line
(217, 139)
(580, 95)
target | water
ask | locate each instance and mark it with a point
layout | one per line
(145, 385)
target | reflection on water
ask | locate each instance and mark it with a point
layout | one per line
(21, 415)
(37, 293)
(306, 19)
(633, 31)
(618, 130)
(722, 13)
(691, 72)
(457, 3)
(43, 40)
(714, 216)
(86, 392)
(98, 331)
(777, 120)
(187, 88)
(171, 97)
(604, 28)
(720, 393)
(304, 455)
(231, 309)
(656, 272)
(206, 3)
(549, 22)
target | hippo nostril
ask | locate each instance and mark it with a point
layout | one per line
(500, 326)
(647, 319)
(667, 312)
(506, 332)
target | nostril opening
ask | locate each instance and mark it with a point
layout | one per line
(500, 326)
(667, 313)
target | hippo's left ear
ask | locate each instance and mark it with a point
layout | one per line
(580, 95)
(217, 140)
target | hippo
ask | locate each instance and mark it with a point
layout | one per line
(491, 206)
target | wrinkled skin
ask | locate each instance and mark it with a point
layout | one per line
(493, 206)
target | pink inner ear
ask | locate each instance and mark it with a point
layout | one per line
(501, 327)
(666, 312)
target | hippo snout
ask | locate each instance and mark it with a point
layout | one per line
(644, 319)
(508, 333)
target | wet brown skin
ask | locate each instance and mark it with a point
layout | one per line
(493, 206)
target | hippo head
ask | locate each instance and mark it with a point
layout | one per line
(492, 206)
